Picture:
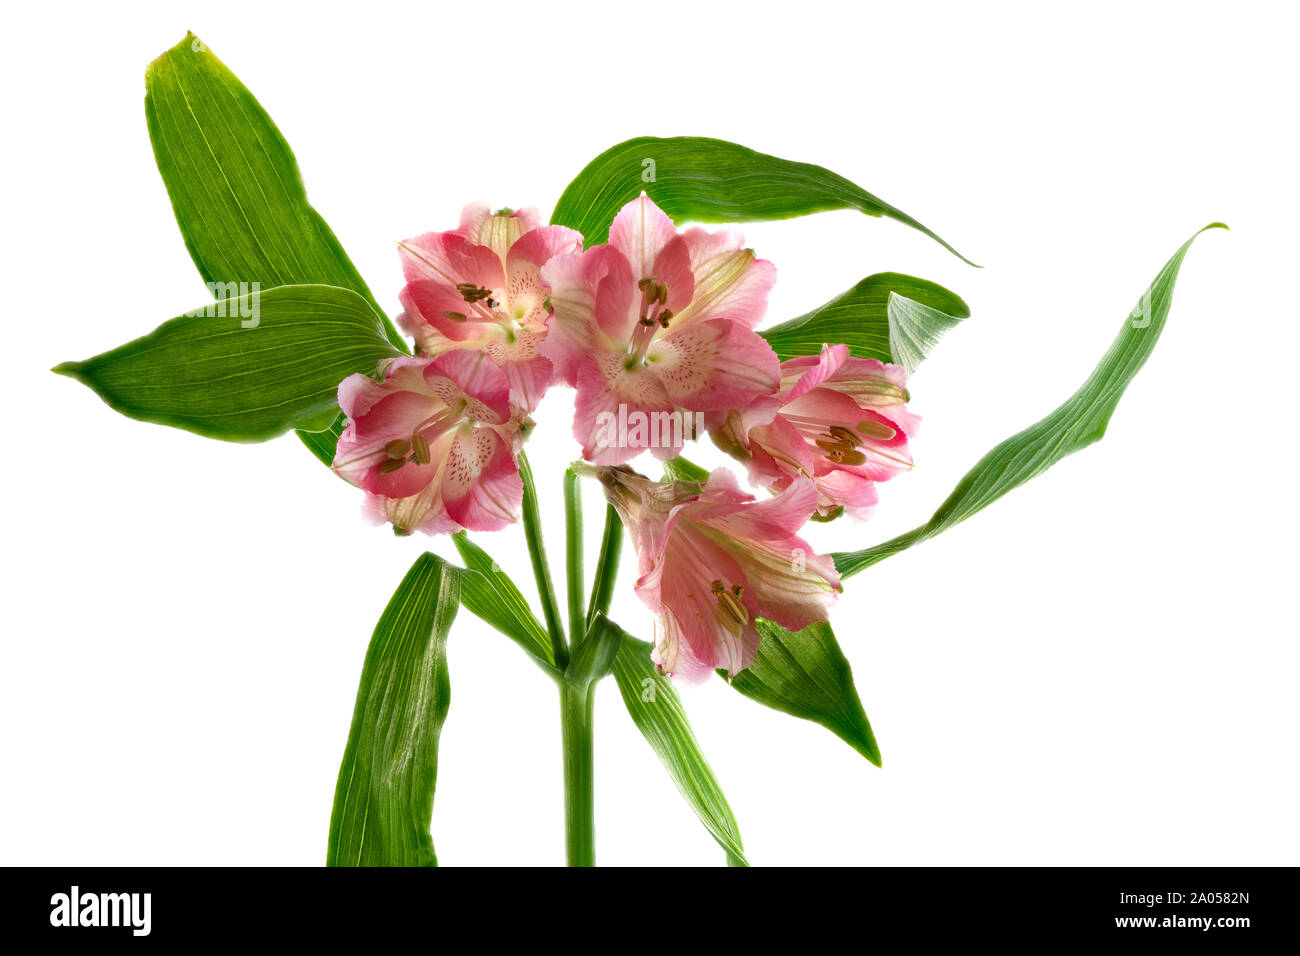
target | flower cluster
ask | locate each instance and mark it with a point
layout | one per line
(655, 330)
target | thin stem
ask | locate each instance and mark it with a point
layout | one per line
(579, 792)
(611, 547)
(573, 556)
(541, 570)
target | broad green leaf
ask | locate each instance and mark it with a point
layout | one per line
(236, 190)
(1074, 425)
(657, 712)
(488, 593)
(383, 804)
(244, 369)
(805, 673)
(697, 179)
(888, 316)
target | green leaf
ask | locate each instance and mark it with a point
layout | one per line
(657, 712)
(804, 673)
(697, 179)
(489, 594)
(887, 316)
(383, 804)
(221, 374)
(323, 444)
(1074, 425)
(236, 190)
(593, 658)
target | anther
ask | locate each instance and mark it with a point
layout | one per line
(397, 449)
(390, 466)
(845, 435)
(877, 430)
(421, 449)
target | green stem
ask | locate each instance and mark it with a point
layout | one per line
(541, 570)
(611, 547)
(573, 556)
(579, 792)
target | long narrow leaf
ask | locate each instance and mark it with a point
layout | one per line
(710, 180)
(804, 673)
(489, 594)
(657, 712)
(226, 376)
(1079, 422)
(383, 804)
(890, 317)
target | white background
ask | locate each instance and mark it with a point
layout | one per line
(1099, 669)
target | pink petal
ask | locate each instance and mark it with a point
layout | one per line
(528, 372)
(714, 365)
(572, 332)
(730, 283)
(474, 378)
(450, 258)
(607, 387)
(426, 304)
(481, 488)
(843, 488)
(640, 232)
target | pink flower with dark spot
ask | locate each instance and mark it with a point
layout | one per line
(479, 287)
(658, 322)
(712, 560)
(433, 445)
(840, 421)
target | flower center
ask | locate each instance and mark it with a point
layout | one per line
(399, 451)
(486, 305)
(840, 444)
(653, 317)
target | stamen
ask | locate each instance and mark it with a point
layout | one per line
(877, 430)
(472, 293)
(397, 449)
(844, 435)
(390, 466)
(664, 316)
(455, 316)
(730, 613)
(421, 449)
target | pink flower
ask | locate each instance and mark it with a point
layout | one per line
(478, 287)
(658, 322)
(433, 444)
(841, 421)
(712, 559)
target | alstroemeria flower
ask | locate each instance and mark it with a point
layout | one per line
(839, 420)
(433, 444)
(659, 323)
(712, 559)
(478, 287)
